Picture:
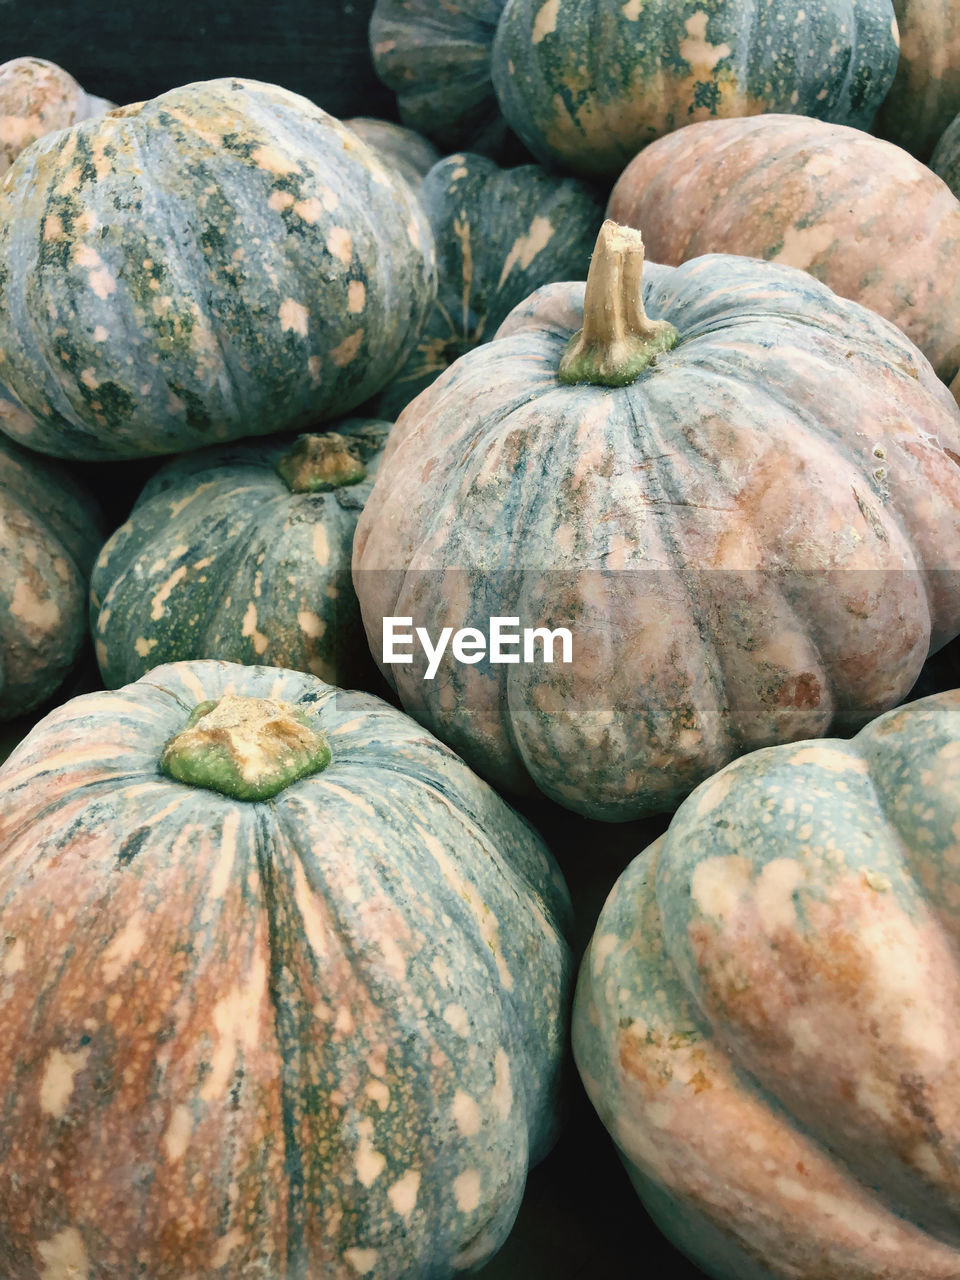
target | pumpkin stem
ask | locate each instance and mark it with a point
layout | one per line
(618, 339)
(246, 748)
(316, 463)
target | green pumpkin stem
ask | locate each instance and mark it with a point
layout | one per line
(618, 339)
(316, 463)
(246, 748)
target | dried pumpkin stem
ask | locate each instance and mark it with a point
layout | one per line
(618, 339)
(246, 748)
(316, 463)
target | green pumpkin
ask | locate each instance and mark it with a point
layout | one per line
(50, 529)
(314, 1032)
(242, 553)
(436, 58)
(225, 260)
(742, 504)
(500, 234)
(588, 84)
(766, 1019)
(404, 150)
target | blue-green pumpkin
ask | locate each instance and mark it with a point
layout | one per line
(242, 552)
(50, 528)
(587, 84)
(499, 235)
(436, 58)
(281, 973)
(225, 260)
(766, 1015)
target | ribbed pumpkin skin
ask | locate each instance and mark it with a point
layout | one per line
(220, 560)
(587, 84)
(436, 59)
(225, 260)
(945, 161)
(767, 1015)
(401, 149)
(733, 540)
(500, 234)
(36, 97)
(925, 95)
(313, 1038)
(49, 534)
(859, 214)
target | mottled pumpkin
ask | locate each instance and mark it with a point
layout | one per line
(738, 505)
(587, 84)
(49, 534)
(225, 260)
(499, 234)
(925, 95)
(37, 97)
(436, 58)
(401, 149)
(767, 1015)
(242, 553)
(313, 1034)
(859, 214)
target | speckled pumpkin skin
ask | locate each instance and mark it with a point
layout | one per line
(859, 214)
(220, 560)
(37, 97)
(767, 1015)
(401, 149)
(587, 84)
(225, 260)
(500, 234)
(50, 530)
(436, 59)
(925, 95)
(318, 1037)
(736, 540)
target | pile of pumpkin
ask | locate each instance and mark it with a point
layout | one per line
(286, 984)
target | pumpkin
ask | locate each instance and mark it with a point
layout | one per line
(286, 977)
(925, 95)
(401, 149)
(242, 552)
(736, 505)
(859, 214)
(945, 161)
(436, 58)
(37, 97)
(766, 1016)
(49, 535)
(500, 234)
(587, 84)
(225, 260)
(130, 53)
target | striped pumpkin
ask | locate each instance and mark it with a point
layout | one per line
(737, 505)
(49, 533)
(243, 553)
(499, 234)
(859, 214)
(225, 260)
(318, 1036)
(768, 1016)
(587, 84)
